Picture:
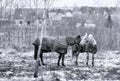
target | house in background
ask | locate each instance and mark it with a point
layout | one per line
(27, 16)
(68, 16)
(89, 24)
(19, 17)
(55, 17)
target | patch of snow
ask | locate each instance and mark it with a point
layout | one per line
(9, 72)
(118, 71)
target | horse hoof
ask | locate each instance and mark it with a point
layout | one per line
(44, 64)
(58, 64)
(76, 63)
(87, 64)
(63, 64)
(39, 64)
(35, 76)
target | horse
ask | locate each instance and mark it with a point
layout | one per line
(89, 45)
(55, 45)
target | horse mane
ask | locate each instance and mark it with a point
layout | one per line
(84, 39)
(91, 39)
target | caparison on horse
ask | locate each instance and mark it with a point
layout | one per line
(59, 46)
(89, 45)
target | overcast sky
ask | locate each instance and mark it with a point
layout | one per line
(108, 3)
(73, 3)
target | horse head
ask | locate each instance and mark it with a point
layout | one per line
(91, 39)
(78, 39)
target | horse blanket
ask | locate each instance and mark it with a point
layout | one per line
(53, 45)
(88, 44)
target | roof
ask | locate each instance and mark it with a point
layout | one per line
(18, 14)
(27, 14)
(68, 14)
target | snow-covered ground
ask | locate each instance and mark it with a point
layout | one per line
(19, 66)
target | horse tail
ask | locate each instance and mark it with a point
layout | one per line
(36, 44)
(36, 49)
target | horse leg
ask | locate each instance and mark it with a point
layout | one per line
(76, 62)
(92, 59)
(36, 49)
(41, 57)
(63, 56)
(60, 55)
(87, 58)
(35, 52)
(74, 57)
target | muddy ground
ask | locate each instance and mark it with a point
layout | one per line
(20, 66)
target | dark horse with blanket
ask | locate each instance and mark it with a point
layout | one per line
(55, 45)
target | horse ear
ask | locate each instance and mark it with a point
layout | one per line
(78, 39)
(78, 36)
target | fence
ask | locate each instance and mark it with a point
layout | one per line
(107, 39)
(14, 36)
(23, 37)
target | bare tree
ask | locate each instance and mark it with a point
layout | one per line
(47, 4)
(4, 5)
